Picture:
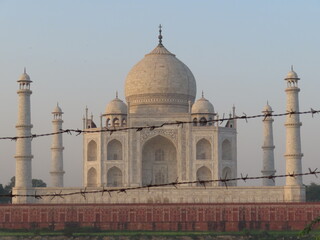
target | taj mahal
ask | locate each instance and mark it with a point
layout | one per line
(158, 89)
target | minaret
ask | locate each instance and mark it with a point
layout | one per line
(57, 149)
(293, 153)
(23, 146)
(234, 116)
(268, 148)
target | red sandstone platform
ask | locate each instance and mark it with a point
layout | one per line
(161, 217)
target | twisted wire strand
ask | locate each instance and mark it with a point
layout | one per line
(152, 127)
(176, 184)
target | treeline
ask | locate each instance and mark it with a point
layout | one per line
(5, 190)
(313, 192)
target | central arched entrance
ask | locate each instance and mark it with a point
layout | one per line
(159, 161)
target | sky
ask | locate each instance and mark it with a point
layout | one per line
(78, 53)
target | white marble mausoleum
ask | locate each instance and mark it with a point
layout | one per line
(158, 89)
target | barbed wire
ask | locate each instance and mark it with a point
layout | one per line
(176, 183)
(111, 130)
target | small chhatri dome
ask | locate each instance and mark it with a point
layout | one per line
(267, 109)
(116, 106)
(57, 109)
(292, 75)
(202, 105)
(24, 77)
(160, 82)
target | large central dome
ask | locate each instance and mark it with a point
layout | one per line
(160, 82)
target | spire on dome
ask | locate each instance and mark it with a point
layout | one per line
(202, 94)
(117, 94)
(267, 109)
(160, 35)
(57, 112)
(24, 78)
(86, 110)
(292, 77)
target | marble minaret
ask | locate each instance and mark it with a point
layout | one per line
(293, 153)
(294, 189)
(268, 148)
(57, 150)
(23, 154)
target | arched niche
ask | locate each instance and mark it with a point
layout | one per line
(204, 174)
(203, 121)
(226, 150)
(92, 151)
(108, 122)
(159, 161)
(92, 177)
(203, 149)
(114, 177)
(124, 122)
(114, 150)
(116, 122)
(195, 122)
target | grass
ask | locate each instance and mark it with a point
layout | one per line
(261, 235)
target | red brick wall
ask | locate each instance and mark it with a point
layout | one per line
(171, 217)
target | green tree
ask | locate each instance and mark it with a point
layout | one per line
(38, 183)
(11, 184)
(313, 192)
(3, 191)
(35, 183)
(8, 188)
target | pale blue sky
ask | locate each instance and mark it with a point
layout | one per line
(79, 52)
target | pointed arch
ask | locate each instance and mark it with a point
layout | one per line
(195, 122)
(92, 151)
(114, 150)
(116, 122)
(92, 177)
(159, 161)
(114, 177)
(203, 121)
(203, 149)
(124, 122)
(203, 174)
(226, 150)
(108, 123)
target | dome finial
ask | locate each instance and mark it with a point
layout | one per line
(25, 70)
(202, 94)
(160, 35)
(117, 94)
(291, 67)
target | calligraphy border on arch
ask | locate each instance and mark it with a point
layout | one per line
(172, 134)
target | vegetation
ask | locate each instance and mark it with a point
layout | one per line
(313, 192)
(4, 191)
(87, 231)
(8, 188)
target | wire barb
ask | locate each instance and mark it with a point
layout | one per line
(244, 178)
